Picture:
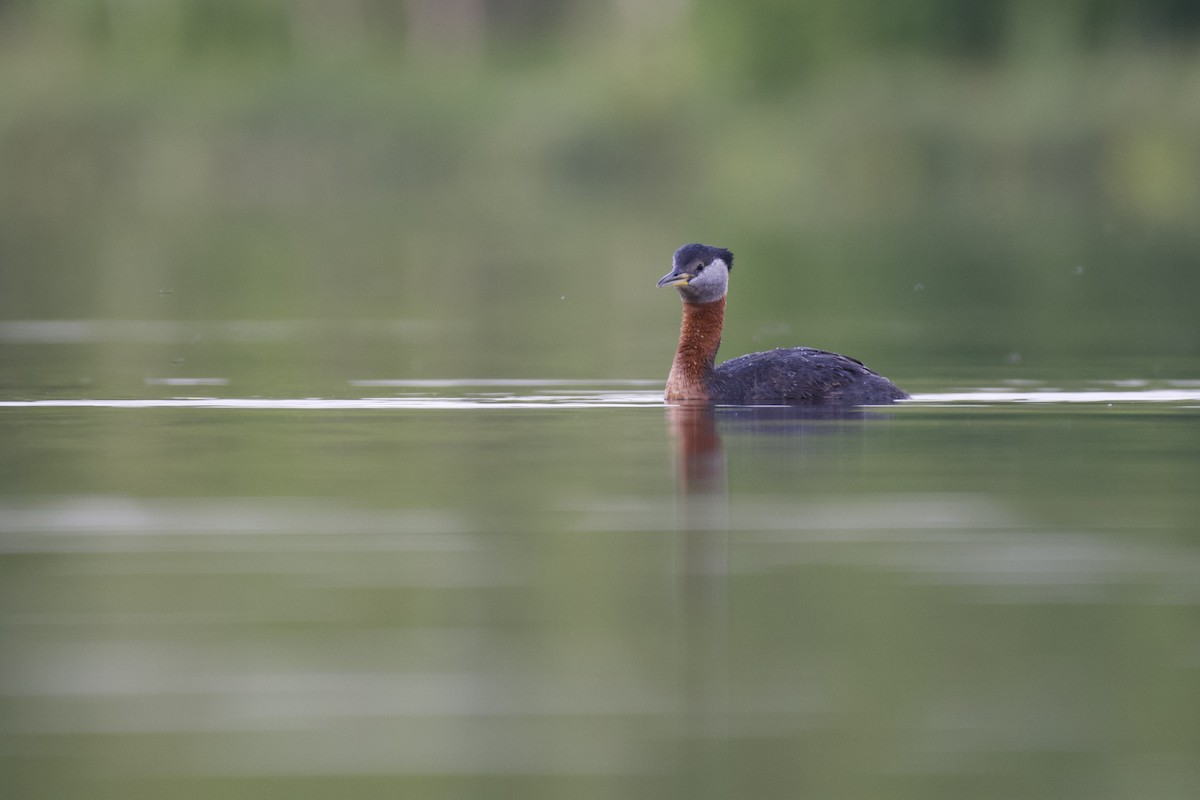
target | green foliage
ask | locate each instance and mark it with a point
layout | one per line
(284, 160)
(769, 45)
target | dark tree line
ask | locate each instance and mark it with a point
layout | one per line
(762, 39)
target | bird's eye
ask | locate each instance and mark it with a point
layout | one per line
(700, 267)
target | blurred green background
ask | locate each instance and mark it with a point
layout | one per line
(948, 189)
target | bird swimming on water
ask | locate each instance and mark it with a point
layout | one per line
(784, 376)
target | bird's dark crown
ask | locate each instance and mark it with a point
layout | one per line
(693, 252)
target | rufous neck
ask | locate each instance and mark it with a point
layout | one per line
(699, 340)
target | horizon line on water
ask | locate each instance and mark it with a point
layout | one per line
(608, 399)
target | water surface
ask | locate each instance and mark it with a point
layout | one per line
(525, 588)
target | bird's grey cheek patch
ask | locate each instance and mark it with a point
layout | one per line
(712, 281)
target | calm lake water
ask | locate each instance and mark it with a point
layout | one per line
(445, 589)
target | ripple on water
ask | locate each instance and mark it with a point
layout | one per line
(476, 393)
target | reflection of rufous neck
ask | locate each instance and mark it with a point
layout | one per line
(699, 338)
(700, 459)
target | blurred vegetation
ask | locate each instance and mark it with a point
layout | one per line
(924, 184)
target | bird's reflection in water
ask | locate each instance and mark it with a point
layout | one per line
(699, 458)
(704, 532)
(703, 528)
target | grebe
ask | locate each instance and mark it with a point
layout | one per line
(784, 376)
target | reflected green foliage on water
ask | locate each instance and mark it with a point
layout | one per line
(267, 530)
(599, 602)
